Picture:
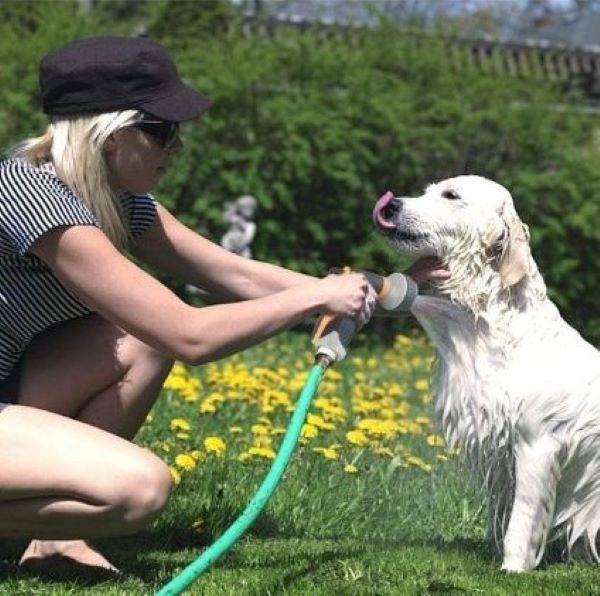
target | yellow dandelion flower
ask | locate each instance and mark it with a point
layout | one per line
(235, 429)
(265, 452)
(395, 389)
(190, 395)
(175, 475)
(436, 440)
(384, 451)
(384, 428)
(410, 427)
(259, 429)
(183, 436)
(207, 407)
(309, 431)
(180, 424)
(350, 469)
(178, 369)
(216, 397)
(327, 452)
(334, 374)
(441, 457)
(185, 461)
(413, 460)
(174, 382)
(357, 437)
(215, 445)
(358, 392)
(402, 341)
(403, 408)
(244, 456)
(417, 361)
(263, 440)
(423, 420)
(422, 385)
(318, 421)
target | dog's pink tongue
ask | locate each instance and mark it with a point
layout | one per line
(378, 218)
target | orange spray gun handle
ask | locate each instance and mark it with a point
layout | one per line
(332, 335)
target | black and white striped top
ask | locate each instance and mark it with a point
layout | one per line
(34, 201)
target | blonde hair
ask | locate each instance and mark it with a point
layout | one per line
(74, 146)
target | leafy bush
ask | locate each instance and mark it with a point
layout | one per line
(316, 124)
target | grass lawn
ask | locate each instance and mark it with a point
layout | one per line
(372, 503)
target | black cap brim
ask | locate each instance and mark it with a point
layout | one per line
(184, 104)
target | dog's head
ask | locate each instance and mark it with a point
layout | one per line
(469, 222)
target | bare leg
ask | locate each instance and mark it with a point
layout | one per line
(64, 480)
(90, 370)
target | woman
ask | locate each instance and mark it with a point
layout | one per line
(86, 336)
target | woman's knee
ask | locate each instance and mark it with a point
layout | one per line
(145, 491)
(150, 360)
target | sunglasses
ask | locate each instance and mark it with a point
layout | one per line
(163, 130)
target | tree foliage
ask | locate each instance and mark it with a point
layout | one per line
(317, 123)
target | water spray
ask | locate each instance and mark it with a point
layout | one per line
(331, 336)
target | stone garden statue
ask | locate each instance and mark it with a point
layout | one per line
(239, 216)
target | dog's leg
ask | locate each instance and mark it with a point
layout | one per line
(499, 489)
(537, 472)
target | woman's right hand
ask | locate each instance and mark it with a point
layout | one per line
(345, 294)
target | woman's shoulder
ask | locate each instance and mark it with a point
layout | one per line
(16, 170)
(23, 184)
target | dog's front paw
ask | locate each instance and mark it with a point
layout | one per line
(515, 565)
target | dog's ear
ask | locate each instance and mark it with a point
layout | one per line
(515, 256)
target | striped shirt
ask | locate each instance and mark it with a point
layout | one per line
(34, 201)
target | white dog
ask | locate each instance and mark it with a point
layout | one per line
(518, 388)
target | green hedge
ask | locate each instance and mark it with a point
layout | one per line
(317, 124)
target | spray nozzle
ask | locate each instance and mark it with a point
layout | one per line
(332, 335)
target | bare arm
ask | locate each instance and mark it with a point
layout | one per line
(176, 249)
(86, 262)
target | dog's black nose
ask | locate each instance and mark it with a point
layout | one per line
(385, 211)
(391, 209)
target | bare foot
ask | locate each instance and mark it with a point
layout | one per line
(40, 552)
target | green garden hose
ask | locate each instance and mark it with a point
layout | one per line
(263, 494)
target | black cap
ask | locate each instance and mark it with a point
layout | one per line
(106, 74)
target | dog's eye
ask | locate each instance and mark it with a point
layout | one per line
(450, 194)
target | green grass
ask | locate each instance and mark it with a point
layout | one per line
(397, 526)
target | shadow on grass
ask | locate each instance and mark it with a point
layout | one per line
(183, 533)
(59, 572)
(143, 558)
(343, 548)
(177, 538)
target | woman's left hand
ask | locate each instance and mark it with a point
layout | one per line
(428, 269)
